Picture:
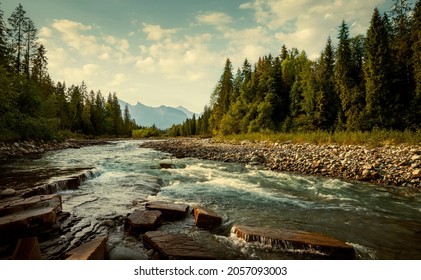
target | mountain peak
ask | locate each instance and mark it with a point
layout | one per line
(163, 116)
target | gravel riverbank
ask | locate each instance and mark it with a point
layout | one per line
(388, 165)
(34, 148)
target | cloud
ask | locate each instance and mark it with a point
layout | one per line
(306, 24)
(117, 80)
(156, 32)
(217, 19)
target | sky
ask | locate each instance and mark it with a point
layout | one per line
(172, 52)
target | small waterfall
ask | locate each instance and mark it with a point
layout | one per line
(63, 184)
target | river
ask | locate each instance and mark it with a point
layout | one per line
(380, 222)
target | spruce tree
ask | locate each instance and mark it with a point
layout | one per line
(17, 23)
(378, 67)
(4, 49)
(343, 73)
(415, 107)
(327, 100)
(221, 97)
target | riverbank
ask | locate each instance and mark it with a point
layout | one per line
(24, 149)
(397, 165)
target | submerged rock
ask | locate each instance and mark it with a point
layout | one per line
(124, 253)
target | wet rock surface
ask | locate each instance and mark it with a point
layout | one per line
(397, 165)
(286, 239)
(175, 246)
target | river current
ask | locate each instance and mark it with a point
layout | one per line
(380, 222)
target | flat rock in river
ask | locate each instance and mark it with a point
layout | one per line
(175, 246)
(170, 211)
(27, 222)
(143, 220)
(206, 218)
(287, 239)
(33, 202)
(92, 250)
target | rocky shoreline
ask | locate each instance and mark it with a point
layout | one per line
(398, 165)
(24, 149)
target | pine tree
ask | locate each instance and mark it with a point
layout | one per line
(221, 96)
(30, 37)
(378, 67)
(343, 73)
(39, 62)
(17, 22)
(327, 100)
(403, 76)
(415, 107)
(4, 49)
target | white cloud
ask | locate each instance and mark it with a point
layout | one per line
(306, 24)
(218, 19)
(117, 80)
(156, 32)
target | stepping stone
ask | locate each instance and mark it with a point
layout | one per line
(27, 249)
(27, 222)
(287, 239)
(92, 250)
(143, 220)
(175, 246)
(33, 202)
(205, 218)
(170, 211)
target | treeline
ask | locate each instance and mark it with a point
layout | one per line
(32, 106)
(364, 83)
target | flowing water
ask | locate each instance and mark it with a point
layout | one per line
(379, 222)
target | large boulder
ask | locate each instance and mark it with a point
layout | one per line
(175, 246)
(287, 239)
(206, 218)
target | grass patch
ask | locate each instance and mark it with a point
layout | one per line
(373, 138)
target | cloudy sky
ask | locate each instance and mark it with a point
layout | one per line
(172, 52)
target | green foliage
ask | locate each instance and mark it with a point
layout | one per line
(147, 132)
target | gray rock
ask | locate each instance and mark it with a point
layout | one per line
(124, 253)
(7, 192)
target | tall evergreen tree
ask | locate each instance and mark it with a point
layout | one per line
(30, 37)
(403, 76)
(17, 23)
(4, 49)
(221, 97)
(415, 107)
(378, 67)
(39, 62)
(343, 73)
(327, 99)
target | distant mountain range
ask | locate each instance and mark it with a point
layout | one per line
(163, 116)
